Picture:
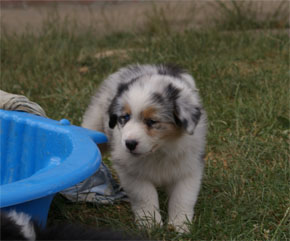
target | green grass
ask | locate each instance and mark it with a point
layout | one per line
(243, 79)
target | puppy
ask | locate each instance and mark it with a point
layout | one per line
(153, 117)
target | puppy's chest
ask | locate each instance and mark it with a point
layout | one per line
(161, 171)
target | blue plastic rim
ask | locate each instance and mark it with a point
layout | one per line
(40, 157)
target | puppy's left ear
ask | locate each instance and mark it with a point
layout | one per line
(188, 112)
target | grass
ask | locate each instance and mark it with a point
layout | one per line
(243, 79)
(237, 15)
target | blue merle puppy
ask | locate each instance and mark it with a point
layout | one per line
(156, 125)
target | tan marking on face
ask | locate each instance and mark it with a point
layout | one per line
(165, 131)
(127, 109)
(160, 130)
(152, 132)
(148, 113)
(170, 131)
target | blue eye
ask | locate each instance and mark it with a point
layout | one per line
(150, 122)
(124, 119)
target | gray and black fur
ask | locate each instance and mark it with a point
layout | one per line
(178, 107)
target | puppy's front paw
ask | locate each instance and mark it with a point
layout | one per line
(180, 228)
(149, 221)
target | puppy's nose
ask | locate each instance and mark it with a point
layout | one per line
(131, 144)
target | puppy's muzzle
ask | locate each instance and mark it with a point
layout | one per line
(131, 144)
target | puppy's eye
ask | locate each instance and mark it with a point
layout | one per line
(124, 119)
(150, 122)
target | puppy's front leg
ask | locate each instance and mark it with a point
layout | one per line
(144, 200)
(183, 196)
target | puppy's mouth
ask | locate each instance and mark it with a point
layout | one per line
(137, 154)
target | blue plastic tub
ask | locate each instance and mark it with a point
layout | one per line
(40, 157)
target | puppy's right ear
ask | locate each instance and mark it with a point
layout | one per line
(112, 111)
(113, 121)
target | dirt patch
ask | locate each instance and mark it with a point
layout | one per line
(110, 16)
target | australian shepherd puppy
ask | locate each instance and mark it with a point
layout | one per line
(156, 125)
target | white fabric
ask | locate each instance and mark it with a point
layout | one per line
(19, 102)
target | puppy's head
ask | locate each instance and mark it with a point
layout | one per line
(152, 110)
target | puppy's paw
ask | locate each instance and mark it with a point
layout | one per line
(149, 221)
(180, 228)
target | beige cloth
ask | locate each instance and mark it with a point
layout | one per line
(19, 102)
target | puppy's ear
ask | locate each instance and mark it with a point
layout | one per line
(114, 107)
(113, 121)
(112, 111)
(188, 116)
(186, 107)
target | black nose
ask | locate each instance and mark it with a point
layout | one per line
(131, 144)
